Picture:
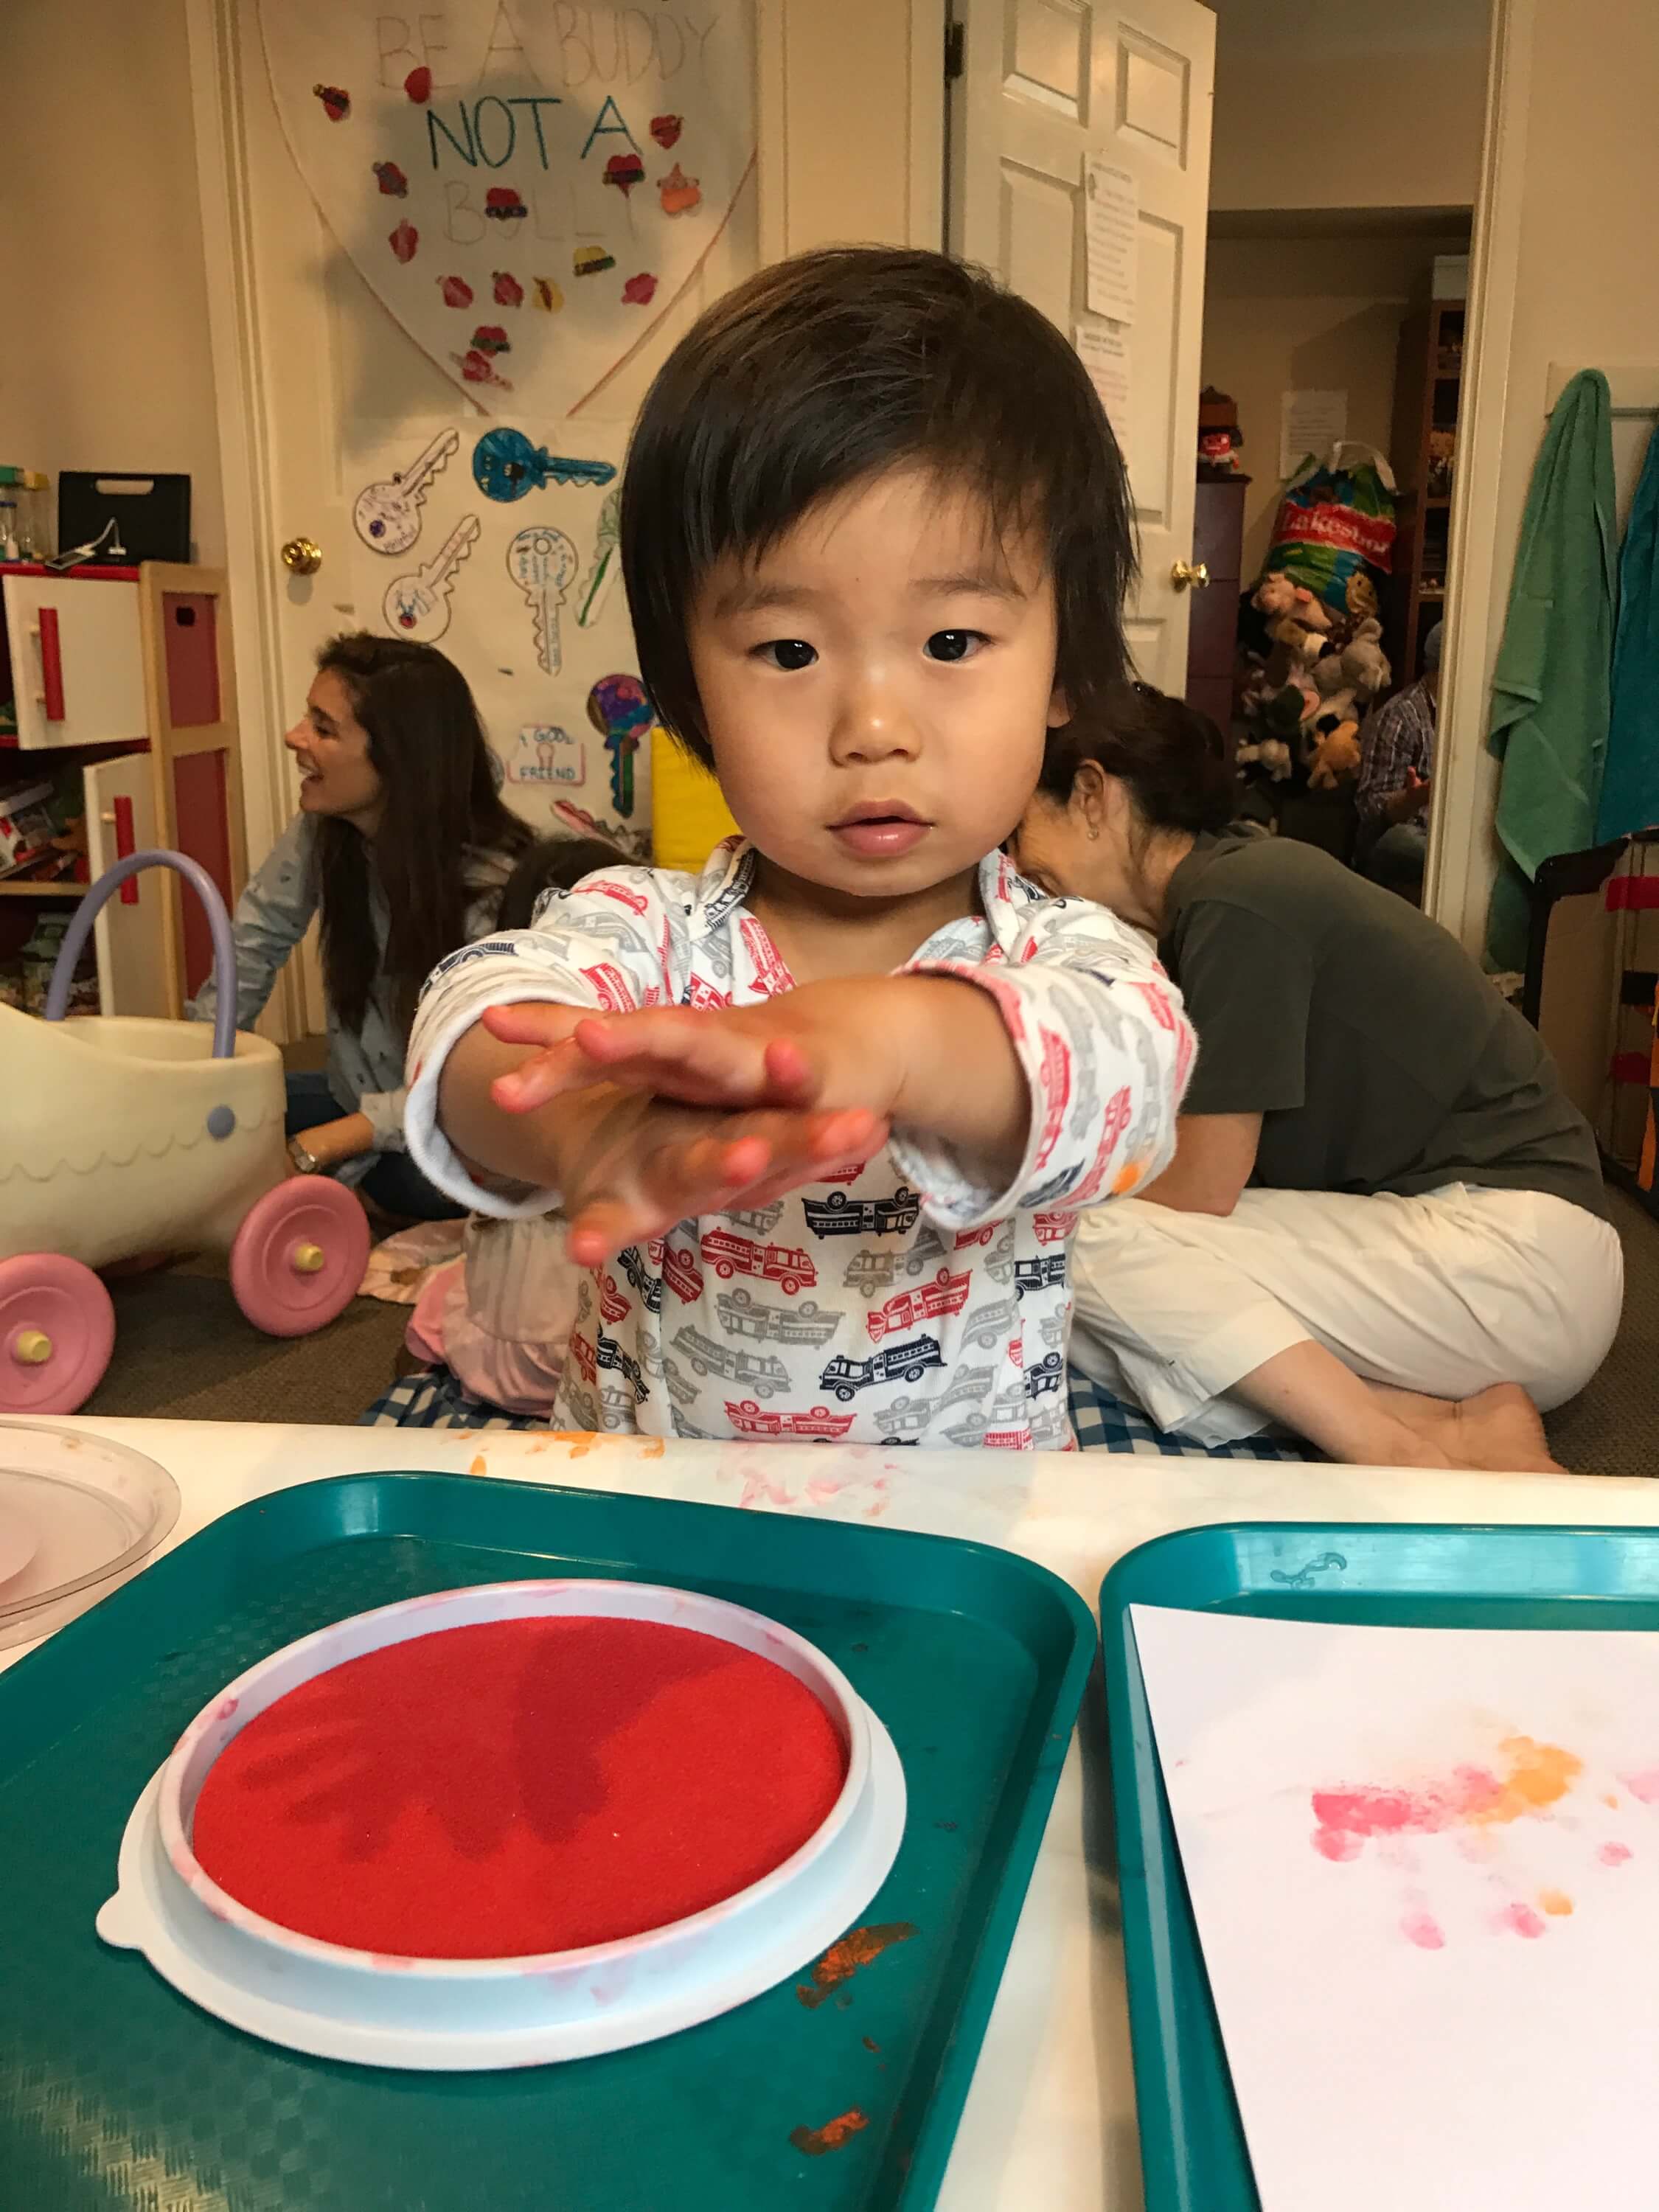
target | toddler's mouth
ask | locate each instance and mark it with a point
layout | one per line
(881, 828)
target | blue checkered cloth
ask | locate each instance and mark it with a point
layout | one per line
(431, 1398)
(1104, 1423)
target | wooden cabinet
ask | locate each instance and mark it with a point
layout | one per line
(74, 658)
(1213, 632)
(125, 676)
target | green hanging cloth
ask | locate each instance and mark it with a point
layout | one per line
(1552, 686)
(1630, 786)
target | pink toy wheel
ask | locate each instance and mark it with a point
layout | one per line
(56, 1331)
(299, 1255)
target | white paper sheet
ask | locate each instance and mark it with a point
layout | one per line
(1112, 235)
(1103, 350)
(1424, 1867)
(1310, 423)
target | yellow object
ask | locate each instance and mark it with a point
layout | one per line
(688, 813)
(32, 1348)
(307, 1259)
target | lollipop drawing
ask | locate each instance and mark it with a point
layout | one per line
(542, 563)
(620, 711)
(607, 559)
(507, 465)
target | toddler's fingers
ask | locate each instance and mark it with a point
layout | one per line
(679, 1052)
(550, 1074)
(531, 1021)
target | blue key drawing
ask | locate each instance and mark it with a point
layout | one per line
(505, 465)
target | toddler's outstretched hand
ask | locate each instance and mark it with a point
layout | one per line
(680, 1122)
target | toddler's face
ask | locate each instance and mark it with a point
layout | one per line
(877, 686)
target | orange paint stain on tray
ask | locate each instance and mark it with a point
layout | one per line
(518, 1786)
(815, 2141)
(842, 1959)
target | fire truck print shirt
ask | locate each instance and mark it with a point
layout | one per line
(903, 1303)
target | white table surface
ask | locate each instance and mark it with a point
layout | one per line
(1050, 2123)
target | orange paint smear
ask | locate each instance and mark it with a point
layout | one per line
(1555, 1902)
(815, 2141)
(480, 1465)
(1531, 1777)
(843, 1960)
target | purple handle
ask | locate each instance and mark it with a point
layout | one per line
(224, 948)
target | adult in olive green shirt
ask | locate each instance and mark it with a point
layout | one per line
(1384, 1224)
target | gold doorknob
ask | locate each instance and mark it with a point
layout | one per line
(1182, 574)
(301, 556)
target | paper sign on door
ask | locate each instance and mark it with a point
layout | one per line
(1104, 352)
(1111, 233)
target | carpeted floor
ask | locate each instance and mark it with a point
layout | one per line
(183, 1349)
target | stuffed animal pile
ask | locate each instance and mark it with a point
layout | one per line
(1321, 672)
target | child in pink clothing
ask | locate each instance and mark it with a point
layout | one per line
(491, 1328)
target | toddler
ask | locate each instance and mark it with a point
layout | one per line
(820, 1119)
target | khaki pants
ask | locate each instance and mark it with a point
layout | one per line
(1444, 1294)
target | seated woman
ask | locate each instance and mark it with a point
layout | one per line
(1384, 1224)
(400, 848)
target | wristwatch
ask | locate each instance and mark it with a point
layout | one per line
(305, 1163)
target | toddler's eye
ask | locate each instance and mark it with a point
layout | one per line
(954, 644)
(789, 653)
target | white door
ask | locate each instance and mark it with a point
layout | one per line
(76, 663)
(311, 370)
(130, 931)
(1044, 86)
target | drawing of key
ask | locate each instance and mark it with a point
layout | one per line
(387, 515)
(417, 605)
(542, 563)
(607, 559)
(505, 465)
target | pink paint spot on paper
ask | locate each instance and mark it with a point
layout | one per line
(1425, 1931)
(1337, 1844)
(1645, 1786)
(1535, 1777)
(639, 291)
(404, 241)
(1612, 1855)
(1521, 1920)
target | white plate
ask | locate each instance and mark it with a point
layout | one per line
(461, 2014)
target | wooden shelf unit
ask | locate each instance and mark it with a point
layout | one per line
(1428, 391)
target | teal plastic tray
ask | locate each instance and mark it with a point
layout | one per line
(1400, 1575)
(116, 2092)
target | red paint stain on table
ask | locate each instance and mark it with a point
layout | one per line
(815, 2141)
(843, 1960)
(520, 1786)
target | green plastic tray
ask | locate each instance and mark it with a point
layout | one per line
(116, 2092)
(1399, 1575)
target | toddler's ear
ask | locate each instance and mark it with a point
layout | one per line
(1060, 708)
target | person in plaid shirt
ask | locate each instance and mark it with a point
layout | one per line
(1396, 780)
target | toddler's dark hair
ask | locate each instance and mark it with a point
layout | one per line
(1172, 758)
(552, 863)
(824, 370)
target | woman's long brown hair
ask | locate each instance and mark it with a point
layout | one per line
(443, 813)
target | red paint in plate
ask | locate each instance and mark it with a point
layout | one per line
(518, 1786)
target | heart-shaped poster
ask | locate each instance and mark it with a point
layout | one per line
(527, 187)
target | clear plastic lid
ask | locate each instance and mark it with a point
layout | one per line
(78, 1514)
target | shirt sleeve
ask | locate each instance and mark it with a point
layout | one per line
(1388, 744)
(1248, 984)
(1106, 1050)
(608, 946)
(385, 1111)
(271, 916)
